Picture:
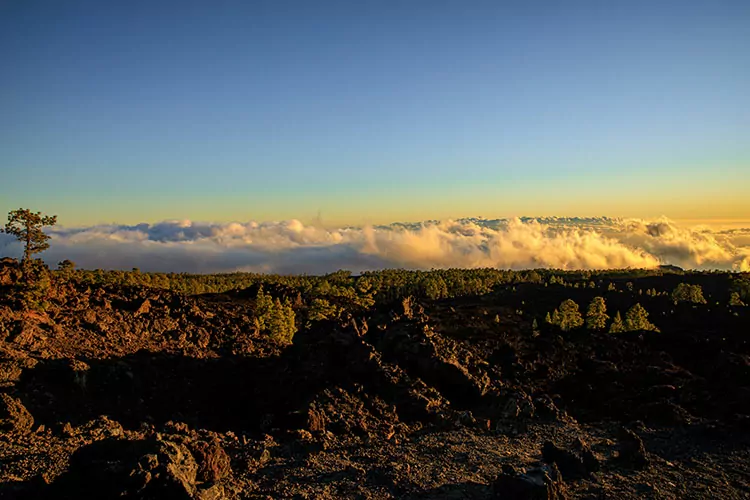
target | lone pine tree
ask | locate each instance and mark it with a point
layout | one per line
(27, 226)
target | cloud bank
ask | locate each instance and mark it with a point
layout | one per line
(292, 247)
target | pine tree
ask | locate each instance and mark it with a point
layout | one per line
(274, 318)
(596, 316)
(281, 324)
(548, 319)
(322, 309)
(735, 300)
(556, 318)
(263, 309)
(570, 317)
(617, 326)
(637, 319)
(27, 227)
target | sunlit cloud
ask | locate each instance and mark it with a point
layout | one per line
(292, 247)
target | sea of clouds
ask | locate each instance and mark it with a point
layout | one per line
(292, 247)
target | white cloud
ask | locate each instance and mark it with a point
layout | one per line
(292, 247)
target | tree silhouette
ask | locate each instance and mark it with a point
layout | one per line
(27, 226)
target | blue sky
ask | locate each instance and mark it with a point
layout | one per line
(374, 111)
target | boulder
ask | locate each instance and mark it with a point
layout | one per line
(13, 415)
(631, 449)
(144, 308)
(664, 413)
(511, 405)
(213, 462)
(546, 408)
(538, 483)
(118, 468)
(572, 464)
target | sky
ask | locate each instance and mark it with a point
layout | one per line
(341, 112)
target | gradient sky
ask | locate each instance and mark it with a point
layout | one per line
(374, 111)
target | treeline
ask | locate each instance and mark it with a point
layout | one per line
(390, 284)
(343, 288)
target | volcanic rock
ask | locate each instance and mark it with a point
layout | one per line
(213, 461)
(631, 448)
(136, 469)
(539, 483)
(13, 415)
(572, 465)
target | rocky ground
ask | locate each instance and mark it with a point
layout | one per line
(138, 393)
